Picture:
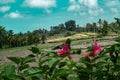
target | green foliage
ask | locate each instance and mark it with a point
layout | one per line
(70, 64)
(68, 41)
(67, 34)
(70, 25)
(49, 66)
(62, 73)
(35, 50)
(43, 38)
(53, 62)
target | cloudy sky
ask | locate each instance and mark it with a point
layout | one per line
(24, 15)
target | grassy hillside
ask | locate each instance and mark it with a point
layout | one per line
(77, 36)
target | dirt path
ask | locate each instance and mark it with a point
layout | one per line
(3, 56)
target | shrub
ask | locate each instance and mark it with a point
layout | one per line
(49, 66)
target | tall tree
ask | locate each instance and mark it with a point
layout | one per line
(30, 38)
(117, 20)
(2, 36)
(10, 37)
(43, 38)
(94, 27)
(61, 26)
(70, 25)
(89, 27)
(116, 26)
(105, 28)
(100, 22)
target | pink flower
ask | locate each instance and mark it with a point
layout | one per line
(65, 50)
(87, 55)
(96, 48)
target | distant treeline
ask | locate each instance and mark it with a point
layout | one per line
(8, 39)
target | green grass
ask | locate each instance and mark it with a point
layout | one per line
(16, 49)
(23, 48)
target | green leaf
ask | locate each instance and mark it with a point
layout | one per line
(28, 59)
(45, 68)
(70, 63)
(119, 59)
(32, 71)
(23, 66)
(31, 55)
(53, 61)
(117, 39)
(16, 60)
(1, 67)
(14, 77)
(62, 64)
(81, 65)
(73, 78)
(43, 60)
(62, 72)
(101, 64)
(35, 50)
(9, 70)
(100, 59)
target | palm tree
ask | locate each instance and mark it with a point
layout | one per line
(30, 38)
(94, 27)
(10, 37)
(43, 38)
(2, 36)
(88, 27)
(105, 28)
(100, 22)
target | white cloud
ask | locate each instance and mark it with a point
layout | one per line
(85, 6)
(72, 1)
(95, 12)
(82, 13)
(14, 15)
(113, 3)
(40, 3)
(114, 10)
(48, 11)
(113, 6)
(73, 7)
(91, 6)
(89, 3)
(4, 8)
(6, 1)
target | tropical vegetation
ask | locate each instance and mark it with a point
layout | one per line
(40, 65)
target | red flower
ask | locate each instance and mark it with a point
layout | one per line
(65, 50)
(96, 48)
(87, 55)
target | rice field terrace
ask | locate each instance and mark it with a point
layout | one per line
(79, 41)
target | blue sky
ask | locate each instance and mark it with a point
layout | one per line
(28, 15)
